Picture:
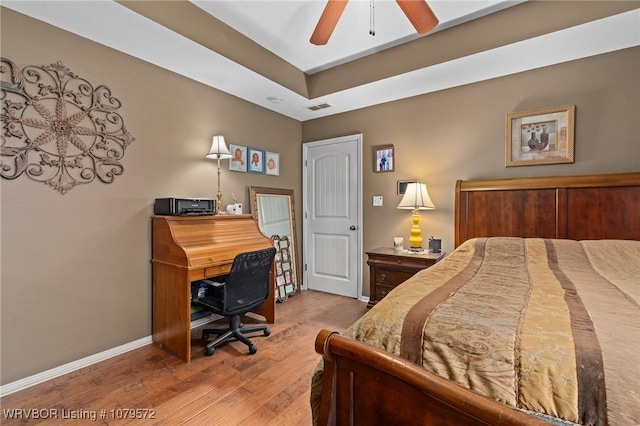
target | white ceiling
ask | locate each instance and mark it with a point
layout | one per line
(285, 26)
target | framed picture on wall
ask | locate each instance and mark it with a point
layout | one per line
(383, 158)
(238, 162)
(256, 160)
(272, 162)
(543, 136)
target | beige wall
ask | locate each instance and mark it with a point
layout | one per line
(76, 276)
(459, 134)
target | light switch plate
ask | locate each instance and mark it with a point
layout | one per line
(377, 200)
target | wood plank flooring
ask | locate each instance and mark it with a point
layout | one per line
(228, 388)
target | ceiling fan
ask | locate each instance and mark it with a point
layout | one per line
(417, 11)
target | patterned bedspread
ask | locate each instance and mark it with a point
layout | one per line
(546, 326)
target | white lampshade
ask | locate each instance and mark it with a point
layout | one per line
(416, 197)
(219, 149)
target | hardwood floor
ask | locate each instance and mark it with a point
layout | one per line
(228, 388)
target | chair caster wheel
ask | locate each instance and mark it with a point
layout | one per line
(209, 351)
(253, 349)
(205, 335)
(267, 332)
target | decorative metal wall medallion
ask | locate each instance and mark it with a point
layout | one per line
(57, 128)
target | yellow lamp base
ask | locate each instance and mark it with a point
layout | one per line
(415, 240)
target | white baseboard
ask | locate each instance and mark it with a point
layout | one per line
(21, 384)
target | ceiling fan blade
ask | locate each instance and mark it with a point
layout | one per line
(327, 22)
(420, 15)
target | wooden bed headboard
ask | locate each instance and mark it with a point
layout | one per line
(582, 207)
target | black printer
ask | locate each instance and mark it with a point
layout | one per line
(184, 206)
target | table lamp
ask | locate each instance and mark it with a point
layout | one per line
(219, 151)
(416, 198)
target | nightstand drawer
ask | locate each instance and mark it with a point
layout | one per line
(382, 291)
(391, 277)
(406, 262)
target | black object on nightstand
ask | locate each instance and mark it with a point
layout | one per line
(389, 268)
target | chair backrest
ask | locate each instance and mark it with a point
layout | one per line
(247, 285)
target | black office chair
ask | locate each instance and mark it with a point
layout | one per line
(246, 288)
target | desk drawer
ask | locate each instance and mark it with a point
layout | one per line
(208, 272)
(214, 271)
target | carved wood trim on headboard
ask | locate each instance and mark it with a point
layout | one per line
(582, 207)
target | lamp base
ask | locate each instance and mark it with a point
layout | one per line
(219, 194)
(415, 240)
(219, 202)
(415, 250)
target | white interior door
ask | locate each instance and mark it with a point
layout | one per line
(333, 215)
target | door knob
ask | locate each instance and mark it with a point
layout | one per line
(352, 227)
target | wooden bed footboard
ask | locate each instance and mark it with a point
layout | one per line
(363, 385)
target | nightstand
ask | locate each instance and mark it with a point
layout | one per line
(388, 268)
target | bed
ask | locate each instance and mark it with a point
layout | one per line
(533, 319)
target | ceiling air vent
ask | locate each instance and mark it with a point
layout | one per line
(318, 107)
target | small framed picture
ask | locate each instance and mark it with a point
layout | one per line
(238, 162)
(256, 160)
(383, 158)
(272, 161)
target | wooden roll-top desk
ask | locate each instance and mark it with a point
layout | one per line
(191, 248)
